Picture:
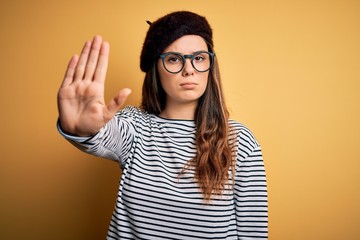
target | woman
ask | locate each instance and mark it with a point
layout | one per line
(188, 172)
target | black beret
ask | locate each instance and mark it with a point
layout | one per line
(167, 29)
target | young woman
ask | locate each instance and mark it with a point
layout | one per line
(188, 172)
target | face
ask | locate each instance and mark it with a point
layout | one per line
(187, 86)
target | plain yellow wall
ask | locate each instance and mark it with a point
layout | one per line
(291, 72)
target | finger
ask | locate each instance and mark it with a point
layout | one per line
(118, 101)
(69, 74)
(80, 68)
(101, 67)
(93, 58)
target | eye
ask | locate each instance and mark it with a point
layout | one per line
(173, 58)
(199, 58)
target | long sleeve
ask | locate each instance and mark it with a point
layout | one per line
(251, 202)
(113, 141)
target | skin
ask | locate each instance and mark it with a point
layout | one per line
(183, 89)
(81, 105)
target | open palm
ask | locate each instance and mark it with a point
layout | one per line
(82, 109)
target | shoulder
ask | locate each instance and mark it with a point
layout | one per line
(136, 117)
(132, 112)
(242, 131)
(243, 136)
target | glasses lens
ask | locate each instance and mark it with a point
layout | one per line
(173, 62)
(202, 61)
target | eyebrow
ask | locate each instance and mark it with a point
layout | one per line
(186, 54)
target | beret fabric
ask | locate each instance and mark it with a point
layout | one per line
(167, 29)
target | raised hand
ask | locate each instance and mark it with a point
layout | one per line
(81, 105)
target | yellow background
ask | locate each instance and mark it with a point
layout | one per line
(291, 72)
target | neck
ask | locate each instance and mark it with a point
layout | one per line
(181, 111)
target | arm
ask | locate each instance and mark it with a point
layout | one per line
(251, 192)
(113, 141)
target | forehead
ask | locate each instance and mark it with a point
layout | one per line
(187, 44)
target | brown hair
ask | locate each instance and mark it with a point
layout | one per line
(214, 153)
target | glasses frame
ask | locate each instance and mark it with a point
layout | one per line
(189, 56)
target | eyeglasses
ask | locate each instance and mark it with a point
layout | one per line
(174, 62)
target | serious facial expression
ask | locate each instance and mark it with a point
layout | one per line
(188, 85)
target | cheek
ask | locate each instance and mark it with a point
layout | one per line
(163, 76)
(205, 80)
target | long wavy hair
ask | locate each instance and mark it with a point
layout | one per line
(215, 152)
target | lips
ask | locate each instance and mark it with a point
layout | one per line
(188, 84)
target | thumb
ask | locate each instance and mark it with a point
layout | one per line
(118, 100)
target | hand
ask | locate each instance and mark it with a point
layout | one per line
(81, 105)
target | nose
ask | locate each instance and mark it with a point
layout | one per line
(188, 68)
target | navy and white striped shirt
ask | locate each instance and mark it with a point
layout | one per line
(155, 201)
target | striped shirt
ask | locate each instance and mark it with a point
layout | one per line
(156, 200)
